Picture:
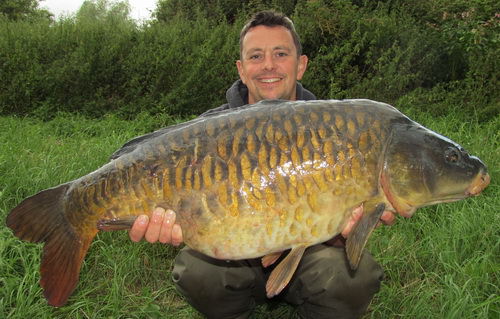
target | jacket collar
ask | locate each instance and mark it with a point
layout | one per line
(237, 94)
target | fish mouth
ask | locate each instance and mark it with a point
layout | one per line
(478, 184)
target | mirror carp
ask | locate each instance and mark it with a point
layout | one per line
(254, 181)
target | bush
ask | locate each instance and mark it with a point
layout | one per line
(181, 72)
(100, 61)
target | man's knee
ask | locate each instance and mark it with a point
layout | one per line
(324, 284)
(216, 288)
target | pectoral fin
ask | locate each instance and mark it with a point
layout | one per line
(121, 223)
(282, 274)
(358, 237)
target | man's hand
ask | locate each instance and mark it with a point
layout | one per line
(387, 218)
(161, 227)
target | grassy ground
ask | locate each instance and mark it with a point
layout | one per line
(442, 263)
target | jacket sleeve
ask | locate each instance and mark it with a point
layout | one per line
(215, 110)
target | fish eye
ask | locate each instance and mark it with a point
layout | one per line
(452, 155)
(463, 151)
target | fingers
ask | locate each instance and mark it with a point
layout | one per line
(388, 218)
(138, 230)
(165, 236)
(357, 213)
(154, 228)
(176, 235)
(161, 227)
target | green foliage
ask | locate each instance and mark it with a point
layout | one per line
(103, 10)
(181, 72)
(22, 10)
(433, 53)
(215, 10)
(386, 50)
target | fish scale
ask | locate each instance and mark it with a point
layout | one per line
(254, 181)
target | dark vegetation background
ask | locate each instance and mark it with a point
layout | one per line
(436, 56)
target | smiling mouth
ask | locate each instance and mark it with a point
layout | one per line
(270, 80)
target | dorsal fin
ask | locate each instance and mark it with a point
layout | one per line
(131, 145)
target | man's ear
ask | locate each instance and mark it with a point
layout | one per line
(239, 66)
(303, 59)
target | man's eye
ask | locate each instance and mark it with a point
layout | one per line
(282, 54)
(254, 57)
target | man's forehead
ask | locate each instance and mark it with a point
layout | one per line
(264, 37)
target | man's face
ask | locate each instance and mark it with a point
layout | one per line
(269, 65)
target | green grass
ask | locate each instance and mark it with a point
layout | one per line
(442, 263)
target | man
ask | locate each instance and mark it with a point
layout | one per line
(271, 63)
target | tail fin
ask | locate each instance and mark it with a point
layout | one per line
(41, 218)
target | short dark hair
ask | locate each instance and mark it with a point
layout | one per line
(270, 18)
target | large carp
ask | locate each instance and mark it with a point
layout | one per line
(254, 181)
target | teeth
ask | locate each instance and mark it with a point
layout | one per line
(270, 80)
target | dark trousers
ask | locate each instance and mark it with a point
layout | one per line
(322, 287)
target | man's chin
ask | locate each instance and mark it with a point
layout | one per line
(273, 97)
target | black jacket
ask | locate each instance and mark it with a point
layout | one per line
(237, 95)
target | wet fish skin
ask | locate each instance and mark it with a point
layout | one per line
(253, 181)
(296, 164)
(274, 170)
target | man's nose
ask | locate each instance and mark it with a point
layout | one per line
(269, 62)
